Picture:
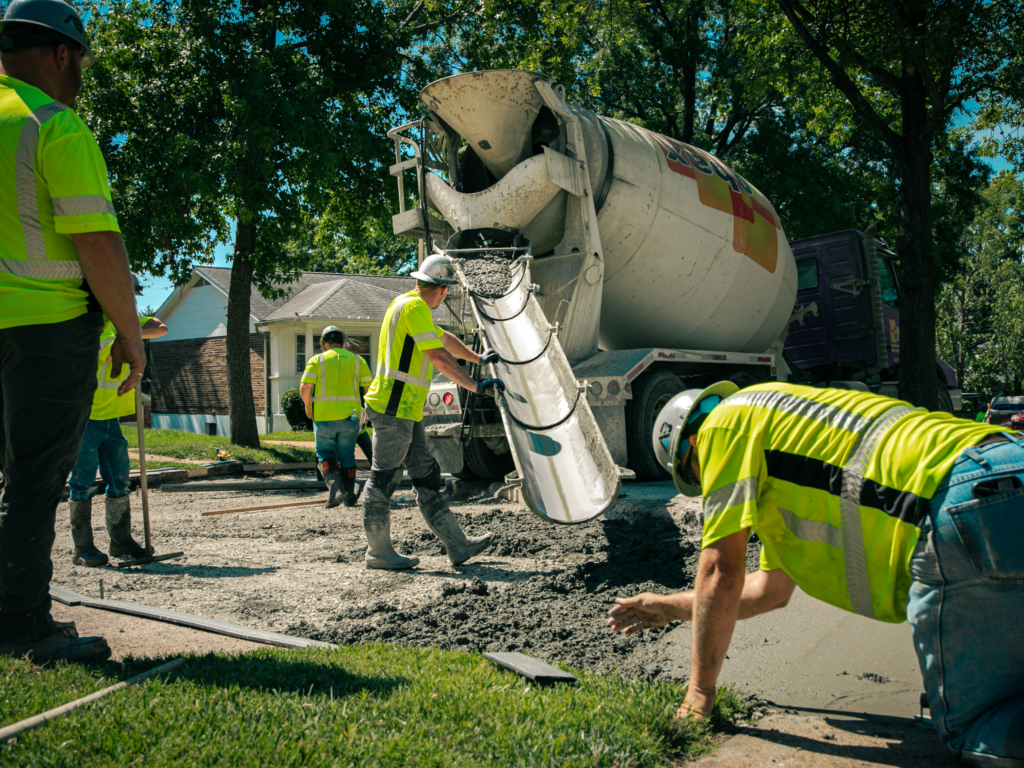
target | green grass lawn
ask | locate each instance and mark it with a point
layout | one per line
(372, 705)
(302, 436)
(189, 445)
(154, 464)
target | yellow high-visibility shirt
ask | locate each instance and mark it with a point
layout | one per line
(404, 370)
(106, 404)
(53, 184)
(336, 376)
(835, 482)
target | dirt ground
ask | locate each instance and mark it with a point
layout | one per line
(542, 589)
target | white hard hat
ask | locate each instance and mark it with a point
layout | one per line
(679, 419)
(437, 269)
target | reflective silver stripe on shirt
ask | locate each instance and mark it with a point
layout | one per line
(729, 496)
(418, 381)
(800, 406)
(104, 375)
(25, 182)
(858, 585)
(392, 329)
(82, 205)
(322, 362)
(813, 531)
(419, 337)
(43, 269)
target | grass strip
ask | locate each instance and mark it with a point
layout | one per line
(304, 437)
(366, 705)
(178, 444)
(158, 464)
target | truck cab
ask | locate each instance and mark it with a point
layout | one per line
(837, 336)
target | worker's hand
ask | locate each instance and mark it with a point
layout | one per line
(489, 356)
(497, 384)
(635, 614)
(125, 351)
(699, 702)
(309, 412)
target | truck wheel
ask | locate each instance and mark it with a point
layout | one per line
(742, 380)
(650, 394)
(945, 401)
(486, 463)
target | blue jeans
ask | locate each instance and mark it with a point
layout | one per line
(336, 439)
(103, 445)
(966, 605)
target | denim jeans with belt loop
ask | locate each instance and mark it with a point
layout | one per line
(966, 604)
(336, 439)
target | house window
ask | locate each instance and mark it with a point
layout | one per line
(300, 352)
(360, 345)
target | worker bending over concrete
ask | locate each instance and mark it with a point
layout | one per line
(104, 446)
(62, 261)
(410, 346)
(332, 387)
(872, 506)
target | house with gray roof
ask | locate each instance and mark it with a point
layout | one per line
(189, 364)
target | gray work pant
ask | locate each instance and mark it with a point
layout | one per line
(395, 441)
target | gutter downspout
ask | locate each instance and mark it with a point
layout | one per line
(268, 417)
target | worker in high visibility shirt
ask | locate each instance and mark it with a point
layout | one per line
(105, 447)
(332, 388)
(870, 505)
(62, 266)
(410, 346)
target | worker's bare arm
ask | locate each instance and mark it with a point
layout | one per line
(456, 348)
(763, 591)
(716, 604)
(105, 265)
(153, 329)
(446, 364)
(306, 393)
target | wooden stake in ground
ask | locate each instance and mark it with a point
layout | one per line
(13, 731)
(306, 503)
(140, 418)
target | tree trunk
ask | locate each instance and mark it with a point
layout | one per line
(919, 276)
(240, 398)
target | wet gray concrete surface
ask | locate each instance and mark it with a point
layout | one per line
(489, 274)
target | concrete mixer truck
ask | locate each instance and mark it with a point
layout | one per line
(656, 266)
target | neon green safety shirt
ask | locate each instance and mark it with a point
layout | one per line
(53, 184)
(834, 482)
(106, 404)
(336, 376)
(404, 370)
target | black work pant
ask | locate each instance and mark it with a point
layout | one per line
(47, 380)
(365, 445)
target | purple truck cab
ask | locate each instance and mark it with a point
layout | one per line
(834, 333)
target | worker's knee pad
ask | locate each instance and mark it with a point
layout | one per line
(431, 481)
(381, 480)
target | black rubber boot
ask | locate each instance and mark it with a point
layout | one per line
(348, 484)
(81, 533)
(380, 553)
(442, 522)
(332, 479)
(59, 646)
(119, 526)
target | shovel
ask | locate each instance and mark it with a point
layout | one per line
(140, 417)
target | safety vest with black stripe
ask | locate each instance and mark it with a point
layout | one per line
(53, 184)
(835, 482)
(336, 376)
(404, 369)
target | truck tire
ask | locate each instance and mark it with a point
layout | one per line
(650, 394)
(945, 401)
(484, 462)
(742, 380)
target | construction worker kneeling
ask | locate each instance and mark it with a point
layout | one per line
(332, 387)
(410, 346)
